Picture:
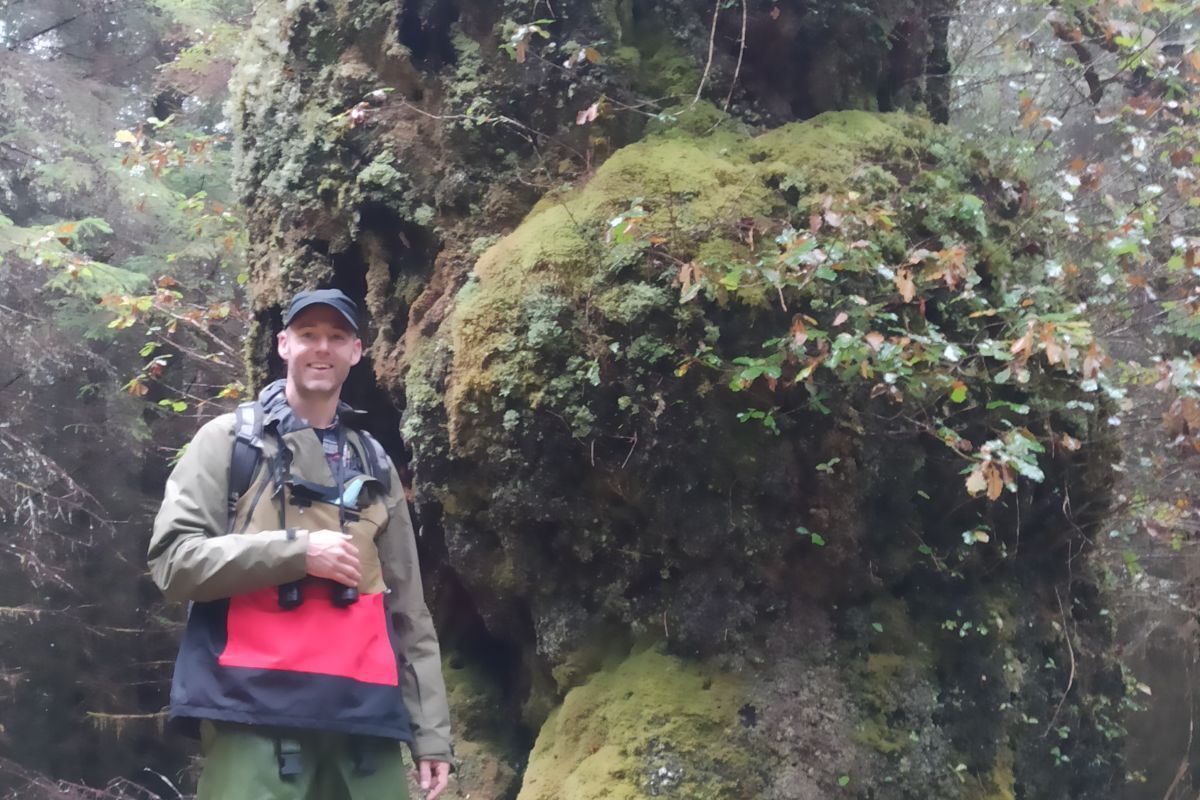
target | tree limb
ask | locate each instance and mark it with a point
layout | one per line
(1074, 38)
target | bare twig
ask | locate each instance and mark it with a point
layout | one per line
(1071, 653)
(741, 52)
(712, 42)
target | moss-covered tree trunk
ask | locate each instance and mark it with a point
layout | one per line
(684, 538)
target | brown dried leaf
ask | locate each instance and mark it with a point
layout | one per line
(1024, 345)
(799, 332)
(953, 261)
(874, 340)
(904, 282)
(976, 483)
(1091, 362)
(995, 481)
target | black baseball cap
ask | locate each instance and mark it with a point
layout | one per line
(334, 298)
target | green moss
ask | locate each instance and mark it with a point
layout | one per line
(631, 302)
(474, 695)
(693, 119)
(880, 678)
(668, 71)
(998, 784)
(689, 187)
(618, 18)
(380, 180)
(881, 684)
(897, 634)
(625, 59)
(827, 151)
(582, 662)
(646, 725)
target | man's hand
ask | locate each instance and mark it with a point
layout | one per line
(433, 777)
(332, 555)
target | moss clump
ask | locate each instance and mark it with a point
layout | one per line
(381, 181)
(998, 784)
(692, 119)
(630, 303)
(688, 185)
(666, 70)
(645, 725)
(882, 675)
(474, 696)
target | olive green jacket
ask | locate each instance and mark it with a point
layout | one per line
(192, 557)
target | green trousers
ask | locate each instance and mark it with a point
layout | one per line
(242, 763)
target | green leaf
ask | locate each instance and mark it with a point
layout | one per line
(1016, 408)
(877, 627)
(843, 780)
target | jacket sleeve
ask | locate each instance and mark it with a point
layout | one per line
(418, 654)
(191, 556)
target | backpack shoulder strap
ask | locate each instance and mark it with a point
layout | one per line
(247, 450)
(376, 459)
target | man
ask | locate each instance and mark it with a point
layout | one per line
(309, 652)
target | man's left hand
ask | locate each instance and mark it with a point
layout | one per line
(433, 777)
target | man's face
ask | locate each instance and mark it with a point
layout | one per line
(319, 348)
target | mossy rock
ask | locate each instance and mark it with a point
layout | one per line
(688, 185)
(645, 725)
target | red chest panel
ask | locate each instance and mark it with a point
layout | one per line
(317, 637)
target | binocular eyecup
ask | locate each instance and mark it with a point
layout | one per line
(291, 595)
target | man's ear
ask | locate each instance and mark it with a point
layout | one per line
(281, 344)
(357, 355)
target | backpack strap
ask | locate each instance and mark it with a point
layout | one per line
(247, 452)
(376, 460)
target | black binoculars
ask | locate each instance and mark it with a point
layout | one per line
(291, 595)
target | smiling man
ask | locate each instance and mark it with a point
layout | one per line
(309, 653)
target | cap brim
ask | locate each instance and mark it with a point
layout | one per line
(299, 308)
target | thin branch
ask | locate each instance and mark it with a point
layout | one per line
(712, 42)
(43, 32)
(1071, 654)
(12, 380)
(741, 52)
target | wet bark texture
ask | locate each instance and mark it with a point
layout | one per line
(613, 557)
